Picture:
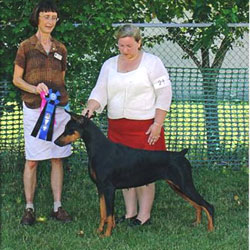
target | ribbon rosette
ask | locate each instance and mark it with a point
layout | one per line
(45, 122)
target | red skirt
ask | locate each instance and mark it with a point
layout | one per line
(132, 133)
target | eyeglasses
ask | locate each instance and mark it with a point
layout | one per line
(52, 18)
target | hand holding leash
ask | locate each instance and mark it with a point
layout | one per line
(88, 112)
(92, 106)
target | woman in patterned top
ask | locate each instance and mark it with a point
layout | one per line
(40, 64)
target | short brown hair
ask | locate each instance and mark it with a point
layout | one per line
(43, 6)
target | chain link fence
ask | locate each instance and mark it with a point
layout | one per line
(209, 112)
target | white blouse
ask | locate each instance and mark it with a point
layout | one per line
(135, 94)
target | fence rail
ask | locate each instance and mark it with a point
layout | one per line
(180, 25)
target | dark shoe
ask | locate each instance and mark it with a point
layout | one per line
(137, 222)
(124, 219)
(61, 215)
(28, 217)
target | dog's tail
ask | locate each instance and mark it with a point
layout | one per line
(184, 151)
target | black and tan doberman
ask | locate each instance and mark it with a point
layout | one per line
(113, 166)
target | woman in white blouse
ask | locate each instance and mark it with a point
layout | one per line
(136, 89)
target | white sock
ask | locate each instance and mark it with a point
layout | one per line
(30, 205)
(57, 204)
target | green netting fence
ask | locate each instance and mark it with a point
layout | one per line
(209, 115)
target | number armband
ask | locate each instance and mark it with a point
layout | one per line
(161, 82)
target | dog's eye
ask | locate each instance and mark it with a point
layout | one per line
(71, 131)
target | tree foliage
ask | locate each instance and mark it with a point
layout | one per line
(86, 30)
(217, 12)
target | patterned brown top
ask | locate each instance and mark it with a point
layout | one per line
(42, 67)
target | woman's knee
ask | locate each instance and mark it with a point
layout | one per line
(56, 162)
(31, 164)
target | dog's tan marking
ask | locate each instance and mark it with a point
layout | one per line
(198, 215)
(197, 207)
(210, 226)
(103, 214)
(110, 222)
(93, 174)
(70, 138)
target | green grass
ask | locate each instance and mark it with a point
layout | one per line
(171, 228)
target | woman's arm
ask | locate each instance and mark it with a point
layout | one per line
(99, 96)
(21, 84)
(163, 91)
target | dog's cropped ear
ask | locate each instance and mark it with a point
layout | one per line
(73, 115)
(87, 115)
(76, 117)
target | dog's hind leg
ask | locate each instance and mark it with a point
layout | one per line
(198, 208)
(194, 198)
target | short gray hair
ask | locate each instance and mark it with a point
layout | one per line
(128, 30)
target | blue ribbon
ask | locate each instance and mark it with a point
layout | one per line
(45, 122)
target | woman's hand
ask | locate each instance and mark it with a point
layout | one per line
(154, 132)
(92, 106)
(42, 87)
(87, 111)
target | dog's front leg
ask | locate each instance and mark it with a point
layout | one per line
(103, 213)
(109, 195)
